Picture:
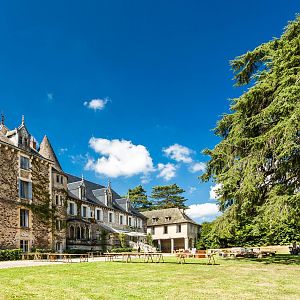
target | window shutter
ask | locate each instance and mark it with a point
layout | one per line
(75, 209)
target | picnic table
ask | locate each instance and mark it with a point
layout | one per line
(53, 257)
(127, 256)
(182, 256)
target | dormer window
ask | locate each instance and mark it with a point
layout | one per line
(154, 220)
(168, 218)
(82, 192)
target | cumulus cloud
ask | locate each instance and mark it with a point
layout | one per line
(166, 171)
(96, 104)
(203, 210)
(179, 153)
(213, 193)
(197, 167)
(119, 158)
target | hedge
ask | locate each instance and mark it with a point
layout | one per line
(14, 254)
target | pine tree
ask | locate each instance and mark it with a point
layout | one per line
(257, 161)
(139, 199)
(168, 196)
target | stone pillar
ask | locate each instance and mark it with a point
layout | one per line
(159, 245)
(172, 245)
(186, 243)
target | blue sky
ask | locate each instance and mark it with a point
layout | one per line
(158, 72)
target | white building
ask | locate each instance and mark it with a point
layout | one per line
(171, 229)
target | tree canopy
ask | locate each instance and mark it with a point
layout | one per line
(139, 198)
(168, 196)
(257, 161)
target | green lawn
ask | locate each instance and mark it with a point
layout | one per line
(231, 279)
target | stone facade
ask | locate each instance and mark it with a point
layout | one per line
(25, 211)
(43, 207)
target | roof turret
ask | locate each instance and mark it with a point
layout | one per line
(47, 151)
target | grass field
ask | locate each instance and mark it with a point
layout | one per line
(276, 278)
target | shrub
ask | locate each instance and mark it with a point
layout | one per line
(13, 254)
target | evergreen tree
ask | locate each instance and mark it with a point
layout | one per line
(168, 196)
(257, 161)
(139, 199)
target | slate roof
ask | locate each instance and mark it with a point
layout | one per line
(158, 217)
(95, 189)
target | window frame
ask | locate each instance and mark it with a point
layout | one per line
(24, 218)
(23, 193)
(27, 164)
(24, 245)
(165, 229)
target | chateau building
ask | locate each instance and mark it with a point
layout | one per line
(43, 207)
(171, 229)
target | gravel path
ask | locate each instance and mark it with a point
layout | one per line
(33, 263)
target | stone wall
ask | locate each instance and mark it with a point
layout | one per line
(41, 207)
(8, 195)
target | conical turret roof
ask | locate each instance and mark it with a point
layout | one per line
(47, 151)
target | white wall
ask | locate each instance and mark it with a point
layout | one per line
(159, 232)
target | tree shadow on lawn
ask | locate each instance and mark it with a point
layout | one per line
(285, 259)
(168, 262)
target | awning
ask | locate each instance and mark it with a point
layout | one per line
(132, 233)
(129, 233)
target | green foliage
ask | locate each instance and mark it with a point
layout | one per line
(168, 196)
(139, 199)
(122, 239)
(120, 250)
(149, 239)
(103, 240)
(257, 161)
(14, 254)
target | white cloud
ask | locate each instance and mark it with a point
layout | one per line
(213, 193)
(50, 96)
(179, 153)
(166, 171)
(96, 104)
(203, 210)
(79, 159)
(192, 189)
(119, 158)
(63, 151)
(198, 167)
(145, 178)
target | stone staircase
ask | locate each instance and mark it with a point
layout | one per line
(144, 247)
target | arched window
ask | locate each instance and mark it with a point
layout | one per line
(78, 233)
(71, 232)
(82, 232)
